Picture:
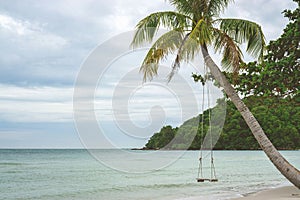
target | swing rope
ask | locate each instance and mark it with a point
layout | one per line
(213, 177)
(200, 170)
(212, 166)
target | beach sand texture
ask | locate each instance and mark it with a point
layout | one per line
(283, 193)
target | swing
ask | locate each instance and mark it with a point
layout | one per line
(213, 177)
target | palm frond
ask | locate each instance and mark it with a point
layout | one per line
(232, 55)
(215, 7)
(202, 32)
(176, 63)
(148, 27)
(191, 43)
(167, 44)
(244, 31)
(192, 8)
(183, 6)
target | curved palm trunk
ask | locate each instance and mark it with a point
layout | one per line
(286, 169)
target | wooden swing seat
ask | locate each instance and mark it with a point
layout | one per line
(206, 179)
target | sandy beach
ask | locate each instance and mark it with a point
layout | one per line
(283, 193)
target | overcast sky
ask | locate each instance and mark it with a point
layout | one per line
(45, 43)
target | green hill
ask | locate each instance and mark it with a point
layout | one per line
(279, 118)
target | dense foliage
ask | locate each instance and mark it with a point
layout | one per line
(278, 117)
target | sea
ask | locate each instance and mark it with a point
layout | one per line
(110, 174)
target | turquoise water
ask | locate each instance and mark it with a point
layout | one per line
(75, 174)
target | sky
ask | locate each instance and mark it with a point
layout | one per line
(47, 45)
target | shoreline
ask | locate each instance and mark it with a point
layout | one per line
(281, 193)
(162, 149)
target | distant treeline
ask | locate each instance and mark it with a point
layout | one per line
(279, 118)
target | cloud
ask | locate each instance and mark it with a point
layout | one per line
(29, 53)
(37, 104)
(24, 33)
(13, 26)
(39, 39)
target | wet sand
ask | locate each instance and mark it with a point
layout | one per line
(283, 193)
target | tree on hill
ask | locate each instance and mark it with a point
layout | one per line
(278, 117)
(193, 27)
(161, 139)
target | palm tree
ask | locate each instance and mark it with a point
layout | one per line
(195, 26)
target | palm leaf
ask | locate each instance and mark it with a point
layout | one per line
(244, 31)
(176, 64)
(183, 6)
(148, 27)
(215, 7)
(232, 55)
(192, 8)
(167, 44)
(201, 34)
(191, 43)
